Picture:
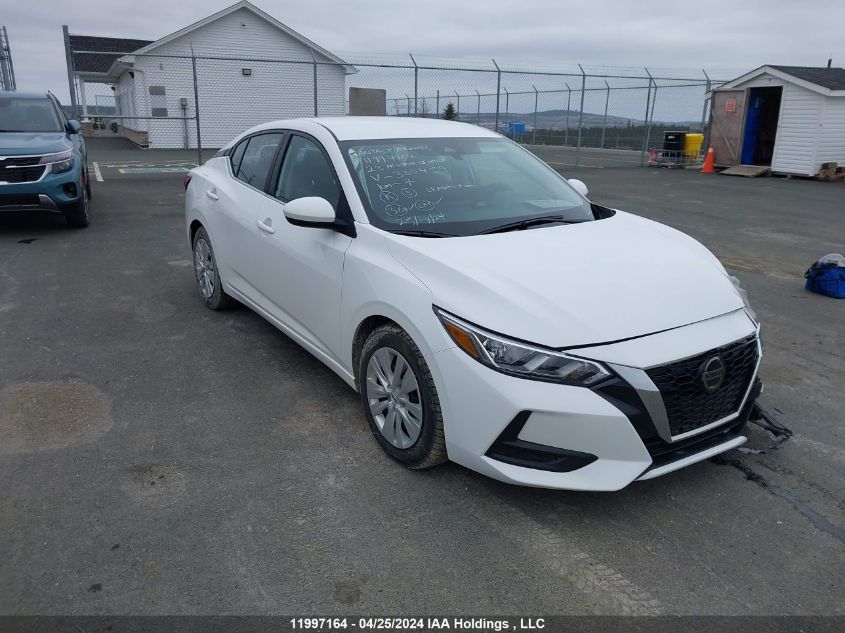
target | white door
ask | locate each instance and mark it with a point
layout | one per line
(302, 267)
(234, 204)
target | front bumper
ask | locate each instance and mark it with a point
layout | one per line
(600, 439)
(50, 194)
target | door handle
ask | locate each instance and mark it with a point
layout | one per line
(265, 227)
(212, 194)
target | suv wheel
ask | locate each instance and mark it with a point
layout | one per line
(76, 214)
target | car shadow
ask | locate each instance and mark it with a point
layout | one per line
(15, 223)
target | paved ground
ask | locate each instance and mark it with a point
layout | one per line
(160, 458)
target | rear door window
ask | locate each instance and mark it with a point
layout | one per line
(258, 158)
(237, 155)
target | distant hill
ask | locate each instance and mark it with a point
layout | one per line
(557, 120)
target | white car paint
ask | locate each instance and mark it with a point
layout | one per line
(624, 290)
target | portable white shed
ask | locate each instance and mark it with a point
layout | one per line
(790, 118)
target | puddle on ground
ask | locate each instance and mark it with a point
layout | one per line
(43, 416)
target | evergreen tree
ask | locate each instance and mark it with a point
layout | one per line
(449, 112)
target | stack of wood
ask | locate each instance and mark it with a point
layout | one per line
(831, 172)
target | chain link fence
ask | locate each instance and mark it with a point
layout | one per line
(181, 102)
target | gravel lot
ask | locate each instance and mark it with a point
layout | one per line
(159, 458)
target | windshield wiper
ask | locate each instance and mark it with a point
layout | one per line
(524, 224)
(421, 233)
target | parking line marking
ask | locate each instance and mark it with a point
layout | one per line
(97, 173)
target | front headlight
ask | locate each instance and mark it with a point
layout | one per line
(59, 162)
(521, 359)
(741, 291)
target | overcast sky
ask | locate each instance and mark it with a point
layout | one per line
(726, 38)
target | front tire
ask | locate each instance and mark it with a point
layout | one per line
(400, 399)
(206, 274)
(76, 214)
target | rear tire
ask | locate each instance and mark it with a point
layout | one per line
(206, 274)
(400, 399)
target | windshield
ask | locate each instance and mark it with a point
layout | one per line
(18, 114)
(458, 186)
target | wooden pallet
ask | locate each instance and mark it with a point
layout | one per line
(831, 172)
(748, 171)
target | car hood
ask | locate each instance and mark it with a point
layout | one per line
(26, 143)
(573, 285)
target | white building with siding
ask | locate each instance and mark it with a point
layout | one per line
(791, 118)
(240, 82)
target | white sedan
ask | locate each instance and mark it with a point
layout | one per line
(483, 308)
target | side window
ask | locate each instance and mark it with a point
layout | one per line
(158, 101)
(258, 159)
(307, 172)
(237, 155)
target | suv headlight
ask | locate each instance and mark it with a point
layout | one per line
(521, 359)
(741, 291)
(59, 163)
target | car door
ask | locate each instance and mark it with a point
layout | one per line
(235, 200)
(302, 267)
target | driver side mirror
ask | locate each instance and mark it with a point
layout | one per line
(310, 211)
(578, 186)
(73, 126)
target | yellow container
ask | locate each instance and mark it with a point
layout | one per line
(692, 145)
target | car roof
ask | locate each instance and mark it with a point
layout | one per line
(23, 95)
(348, 128)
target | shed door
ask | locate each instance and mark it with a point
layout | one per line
(727, 116)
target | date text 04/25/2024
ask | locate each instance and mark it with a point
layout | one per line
(416, 624)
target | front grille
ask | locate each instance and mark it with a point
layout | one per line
(22, 174)
(19, 201)
(19, 161)
(688, 405)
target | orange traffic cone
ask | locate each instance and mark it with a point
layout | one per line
(708, 167)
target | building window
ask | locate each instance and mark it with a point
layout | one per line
(158, 101)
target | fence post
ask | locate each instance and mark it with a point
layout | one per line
(708, 103)
(604, 124)
(651, 116)
(478, 109)
(457, 107)
(314, 61)
(645, 119)
(580, 115)
(498, 93)
(507, 109)
(416, 79)
(568, 101)
(196, 105)
(437, 106)
(408, 97)
(70, 72)
(534, 130)
(704, 107)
